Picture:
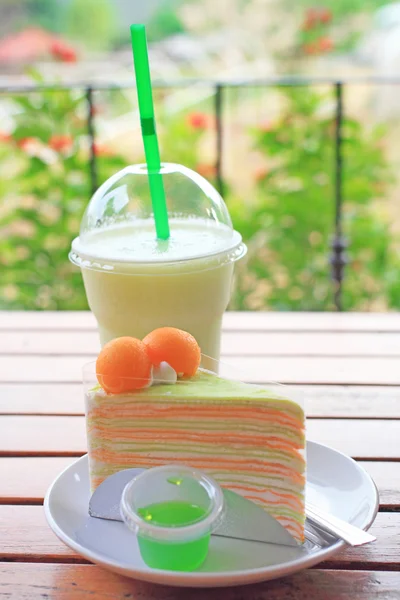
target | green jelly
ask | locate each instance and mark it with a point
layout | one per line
(173, 556)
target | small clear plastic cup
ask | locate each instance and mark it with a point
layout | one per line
(173, 510)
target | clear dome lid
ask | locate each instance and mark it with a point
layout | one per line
(118, 224)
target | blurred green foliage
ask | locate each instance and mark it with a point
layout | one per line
(332, 25)
(287, 220)
(165, 21)
(93, 22)
(291, 224)
(46, 13)
(343, 8)
(288, 223)
(45, 188)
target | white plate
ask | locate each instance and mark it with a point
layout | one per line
(334, 482)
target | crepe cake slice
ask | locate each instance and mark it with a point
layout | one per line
(247, 437)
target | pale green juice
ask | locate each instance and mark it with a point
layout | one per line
(141, 283)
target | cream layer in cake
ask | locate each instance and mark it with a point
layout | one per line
(247, 437)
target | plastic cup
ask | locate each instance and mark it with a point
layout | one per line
(173, 510)
(135, 282)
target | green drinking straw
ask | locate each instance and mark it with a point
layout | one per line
(147, 121)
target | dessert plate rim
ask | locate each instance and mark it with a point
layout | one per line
(57, 514)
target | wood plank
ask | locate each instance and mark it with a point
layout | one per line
(238, 343)
(44, 436)
(42, 399)
(26, 480)
(320, 401)
(25, 535)
(17, 488)
(386, 476)
(27, 581)
(292, 370)
(233, 321)
(65, 436)
(384, 551)
(311, 321)
(350, 401)
(45, 320)
(51, 342)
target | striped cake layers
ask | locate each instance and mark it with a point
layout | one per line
(249, 439)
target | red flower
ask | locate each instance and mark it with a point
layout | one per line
(5, 137)
(207, 171)
(61, 143)
(325, 44)
(310, 49)
(198, 120)
(307, 25)
(325, 15)
(100, 150)
(311, 18)
(266, 126)
(25, 142)
(316, 16)
(261, 174)
(63, 52)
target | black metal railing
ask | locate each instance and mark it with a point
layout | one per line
(338, 258)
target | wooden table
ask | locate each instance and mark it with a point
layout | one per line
(347, 364)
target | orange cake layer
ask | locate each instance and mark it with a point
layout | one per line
(248, 438)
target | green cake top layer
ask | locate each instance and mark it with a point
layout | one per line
(205, 386)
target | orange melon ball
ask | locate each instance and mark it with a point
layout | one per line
(178, 348)
(123, 365)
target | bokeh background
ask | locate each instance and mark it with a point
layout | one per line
(246, 93)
